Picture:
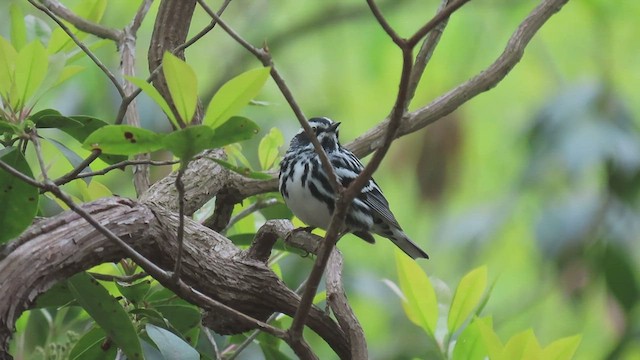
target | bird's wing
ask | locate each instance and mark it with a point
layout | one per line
(348, 167)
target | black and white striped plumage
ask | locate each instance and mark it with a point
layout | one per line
(308, 193)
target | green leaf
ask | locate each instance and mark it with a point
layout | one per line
(74, 159)
(19, 200)
(135, 293)
(244, 171)
(269, 148)
(123, 140)
(170, 345)
(620, 275)
(58, 295)
(31, 68)
(107, 313)
(234, 95)
(93, 345)
(50, 118)
(489, 337)
(522, 346)
(467, 297)
(235, 129)
(155, 96)
(8, 56)
(420, 303)
(68, 72)
(187, 142)
(182, 317)
(182, 84)
(469, 345)
(562, 349)
(89, 125)
(18, 28)
(88, 9)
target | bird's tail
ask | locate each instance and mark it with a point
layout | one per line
(401, 240)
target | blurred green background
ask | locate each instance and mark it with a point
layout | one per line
(536, 178)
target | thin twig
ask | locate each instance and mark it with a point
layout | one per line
(117, 166)
(38, 150)
(123, 279)
(127, 100)
(212, 341)
(82, 24)
(139, 16)
(265, 57)
(442, 15)
(256, 206)
(255, 334)
(72, 175)
(81, 45)
(425, 53)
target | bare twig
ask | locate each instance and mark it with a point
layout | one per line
(38, 150)
(81, 45)
(213, 343)
(82, 24)
(127, 100)
(254, 335)
(117, 166)
(256, 206)
(127, 49)
(440, 16)
(122, 279)
(344, 198)
(425, 53)
(265, 57)
(139, 16)
(72, 175)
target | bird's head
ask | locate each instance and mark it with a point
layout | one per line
(326, 132)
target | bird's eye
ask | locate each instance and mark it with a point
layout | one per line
(315, 129)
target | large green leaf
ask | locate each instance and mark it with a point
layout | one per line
(135, 293)
(8, 56)
(235, 129)
(182, 317)
(30, 70)
(57, 296)
(469, 345)
(50, 118)
(234, 95)
(489, 337)
(93, 345)
(170, 345)
(522, 346)
(420, 303)
(467, 297)
(182, 84)
(18, 28)
(92, 10)
(155, 96)
(19, 200)
(269, 148)
(123, 140)
(187, 142)
(561, 349)
(107, 313)
(89, 125)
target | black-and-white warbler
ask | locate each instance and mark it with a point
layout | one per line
(308, 193)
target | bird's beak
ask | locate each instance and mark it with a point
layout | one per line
(334, 127)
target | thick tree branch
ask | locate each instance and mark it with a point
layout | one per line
(58, 247)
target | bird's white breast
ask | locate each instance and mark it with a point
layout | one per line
(303, 204)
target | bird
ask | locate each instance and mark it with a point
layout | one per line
(307, 191)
